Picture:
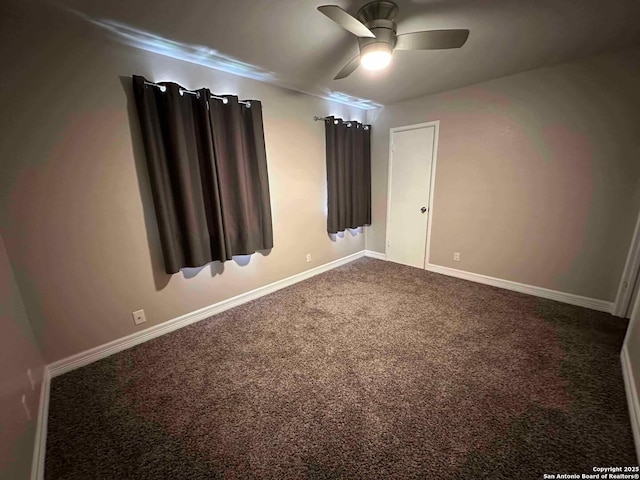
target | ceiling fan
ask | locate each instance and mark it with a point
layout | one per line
(375, 27)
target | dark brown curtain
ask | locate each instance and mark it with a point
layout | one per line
(348, 146)
(208, 171)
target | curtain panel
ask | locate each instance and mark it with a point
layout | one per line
(348, 156)
(208, 170)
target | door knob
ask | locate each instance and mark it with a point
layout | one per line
(423, 209)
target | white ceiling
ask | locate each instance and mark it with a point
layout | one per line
(302, 49)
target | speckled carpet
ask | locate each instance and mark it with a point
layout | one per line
(372, 370)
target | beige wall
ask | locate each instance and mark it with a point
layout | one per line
(75, 199)
(18, 352)
(537, 174)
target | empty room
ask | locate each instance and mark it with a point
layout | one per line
(246, 239)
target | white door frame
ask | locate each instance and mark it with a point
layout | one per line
(436, 125)
(631, 268)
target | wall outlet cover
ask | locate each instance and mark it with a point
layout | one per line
(138, 317)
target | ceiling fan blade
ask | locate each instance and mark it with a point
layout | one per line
(432, 40)
(348, 69)
(346, 21)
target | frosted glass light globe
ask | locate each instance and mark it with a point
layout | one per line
(375, 56)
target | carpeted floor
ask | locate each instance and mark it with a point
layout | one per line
(372, 370)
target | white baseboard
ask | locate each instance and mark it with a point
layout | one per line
(372, 254)
(592, 303)
(632, 397)
(39, 450)
(84, 358)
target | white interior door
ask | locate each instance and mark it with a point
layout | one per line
(411, 160)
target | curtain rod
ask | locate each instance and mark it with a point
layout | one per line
(182, 90)
(316, 118)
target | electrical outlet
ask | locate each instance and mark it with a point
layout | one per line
(308, 257)
(138, 317)
(26, 407)
(456, 256)
(31, 380)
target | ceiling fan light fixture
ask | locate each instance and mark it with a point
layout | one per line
(375, 27)
(376, 56)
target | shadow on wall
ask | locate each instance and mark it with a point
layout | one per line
(354, 232)
(217, 268)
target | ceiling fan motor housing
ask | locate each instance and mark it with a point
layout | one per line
(379, 17)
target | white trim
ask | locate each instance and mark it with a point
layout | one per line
(632, 397)
(631, 268)
(39, 449)
(432, 182)
(634, 318)
(386, 236)
(84, 358)
(432, 188)
(372, 254)
(570, 298)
